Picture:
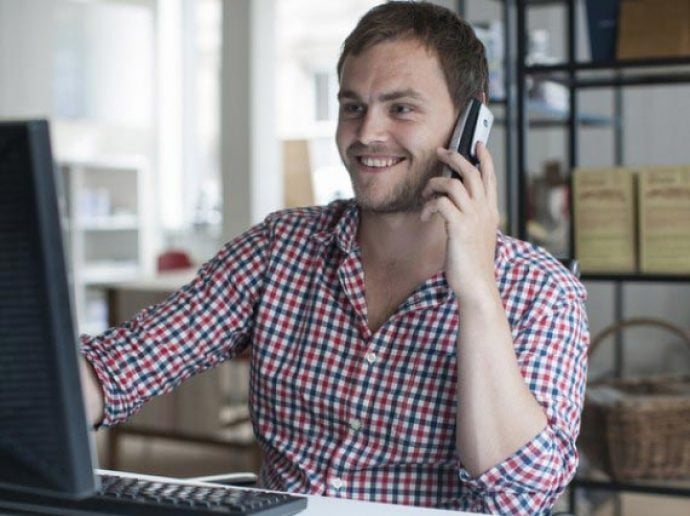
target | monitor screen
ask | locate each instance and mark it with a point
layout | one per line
(45, 442)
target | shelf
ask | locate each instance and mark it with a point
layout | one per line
(543, 116)
(110, 271)
(110, 223)
(631, 72)
(537, 3)
(107, 165)
(582, 75)
(599, 480)
(637, 278)
(607, 65)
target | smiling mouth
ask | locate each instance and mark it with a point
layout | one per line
(379, 162)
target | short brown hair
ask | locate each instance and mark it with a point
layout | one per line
(461, 54)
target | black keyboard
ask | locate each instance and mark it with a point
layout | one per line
(139, 497)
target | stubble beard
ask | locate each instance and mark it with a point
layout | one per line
(406, 195)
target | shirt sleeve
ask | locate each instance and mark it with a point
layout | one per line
(206, 322)
(551, 347)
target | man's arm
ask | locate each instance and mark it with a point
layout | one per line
(519, 396)
(497, 412)
(93, 394)
(205, 322)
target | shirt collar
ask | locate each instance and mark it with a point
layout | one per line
(502, 253)
(344, 228)
(346, 223)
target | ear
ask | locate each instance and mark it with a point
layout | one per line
(483, 98)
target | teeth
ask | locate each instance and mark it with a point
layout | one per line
(379, 162)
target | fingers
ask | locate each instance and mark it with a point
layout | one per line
(477, 188)
(445, 191)
(447, 186)
(479, 181)
(488, 173)
(442, 205)
(469, 174)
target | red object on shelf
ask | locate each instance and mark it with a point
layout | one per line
(173, 260)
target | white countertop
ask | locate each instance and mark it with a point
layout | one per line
(325, 505)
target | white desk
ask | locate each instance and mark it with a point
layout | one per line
(340, 507)
(324, 505)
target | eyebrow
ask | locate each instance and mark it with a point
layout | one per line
(384, 97)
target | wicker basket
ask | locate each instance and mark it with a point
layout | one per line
(638, 428)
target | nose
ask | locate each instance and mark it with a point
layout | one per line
(373, 128)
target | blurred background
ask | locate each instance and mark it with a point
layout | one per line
(177, 124)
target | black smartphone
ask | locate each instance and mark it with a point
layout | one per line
(473, 126)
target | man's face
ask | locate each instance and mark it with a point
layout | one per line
(395, 110)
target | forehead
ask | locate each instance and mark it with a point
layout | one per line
(394, 65)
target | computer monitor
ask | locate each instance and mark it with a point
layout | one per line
(45, 442)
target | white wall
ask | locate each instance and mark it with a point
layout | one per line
(26, 36)
(250, 153)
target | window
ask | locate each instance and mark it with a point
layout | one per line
(189, 186)
(325, 91)
(103, 63)
(141, 77)
(308, 41)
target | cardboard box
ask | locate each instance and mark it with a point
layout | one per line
(298, 189)
(604, 204)
(653, 28)
(664, 199)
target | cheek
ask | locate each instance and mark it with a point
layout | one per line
(343, 138)
(423, 138)
(421, 144)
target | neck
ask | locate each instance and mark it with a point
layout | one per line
(402, 238)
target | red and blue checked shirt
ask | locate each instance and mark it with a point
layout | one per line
(340, 411)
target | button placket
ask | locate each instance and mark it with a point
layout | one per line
(355, 424)
(337, 483)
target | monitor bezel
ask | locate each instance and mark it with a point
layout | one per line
(80, 480)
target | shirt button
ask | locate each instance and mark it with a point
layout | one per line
(355, 424)
(371, 357)
(337, 483)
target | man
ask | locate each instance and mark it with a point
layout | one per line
(403, 350)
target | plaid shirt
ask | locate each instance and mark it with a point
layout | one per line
(340, 411)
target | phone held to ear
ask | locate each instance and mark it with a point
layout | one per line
(473, 126)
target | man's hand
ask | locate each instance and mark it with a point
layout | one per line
(470, 211)
(93, 395)
(497, 414)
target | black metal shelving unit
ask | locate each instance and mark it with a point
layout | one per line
(578, 75)
(679, 488)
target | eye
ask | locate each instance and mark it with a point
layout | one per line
(351, 109)
(401, 109)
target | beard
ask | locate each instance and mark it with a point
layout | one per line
(403, 196)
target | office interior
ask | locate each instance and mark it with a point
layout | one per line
(177, 124)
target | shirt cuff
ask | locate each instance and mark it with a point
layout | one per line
(532, 468)
(111, 397)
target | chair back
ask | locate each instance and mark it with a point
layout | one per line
(572, 265)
